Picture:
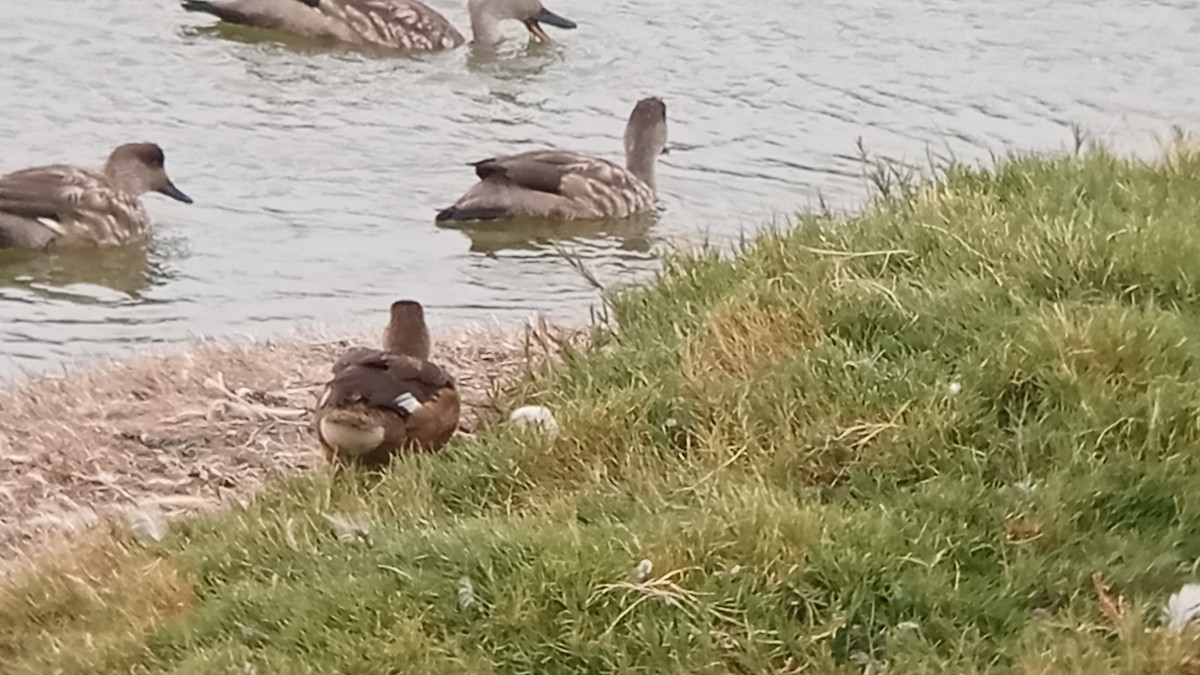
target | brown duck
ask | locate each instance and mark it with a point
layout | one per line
(565, 185)
(407, 25)
(385, 402)
(63, 205)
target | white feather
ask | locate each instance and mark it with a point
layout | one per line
(535, 414)
(147, 522)
(349, 439)
(1183, 607)
(52, 225)
(643, 570)
(408, 402)
(466, 593)
(348, 528)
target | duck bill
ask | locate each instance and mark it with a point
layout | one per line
(550, 19)
(536, 31)
(175, 193)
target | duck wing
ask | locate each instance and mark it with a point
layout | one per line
(381, 380)
(541, 170)
(558, 172)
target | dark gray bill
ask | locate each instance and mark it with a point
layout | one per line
(175, 193)
(551, 19)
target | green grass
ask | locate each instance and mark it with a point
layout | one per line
(907, 439)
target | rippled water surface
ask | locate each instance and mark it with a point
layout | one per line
(316, 174)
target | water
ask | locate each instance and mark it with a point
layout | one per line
(316, 174)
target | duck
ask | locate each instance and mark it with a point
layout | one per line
(405, 25)
(61, 205)
(563, 185)
(384, 402)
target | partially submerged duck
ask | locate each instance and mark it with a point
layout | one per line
(562, 185)
(62, 205)
(385, 402)
(407, 25)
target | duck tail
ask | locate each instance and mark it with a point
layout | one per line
(199, 6)
(349, 432)
(459, 213)
(219, 11)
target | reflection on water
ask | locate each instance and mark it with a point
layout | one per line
(51, 299)
(123, 272)
(513, 60)
(629, 234)
(317, 170)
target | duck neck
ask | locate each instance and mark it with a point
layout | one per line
(485, 27)
(641, 164)
(409, 341)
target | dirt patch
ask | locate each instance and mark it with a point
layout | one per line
(173, 433)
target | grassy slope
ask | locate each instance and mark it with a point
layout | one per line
(778, 434)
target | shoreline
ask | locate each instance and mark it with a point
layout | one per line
(16, 369)
(199, 426)
(950, 434)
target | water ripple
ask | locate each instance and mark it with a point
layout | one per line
(317, 173)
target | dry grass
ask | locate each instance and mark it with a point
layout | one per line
(91, 578)
(190, 431)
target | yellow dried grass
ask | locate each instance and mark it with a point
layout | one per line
(191, 430)
(741, 338)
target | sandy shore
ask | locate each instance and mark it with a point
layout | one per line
(192, 429)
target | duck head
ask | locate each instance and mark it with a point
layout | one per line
(486, 14)
(646, 137)
(646, 131)
(138, 168)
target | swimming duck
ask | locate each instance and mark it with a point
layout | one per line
(566, 185)
(383, 402)
(63, 205)
(407, 25)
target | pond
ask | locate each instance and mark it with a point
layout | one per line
(317, 173)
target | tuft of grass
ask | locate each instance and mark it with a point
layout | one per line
(955, 433)
(103, 594)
